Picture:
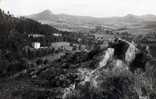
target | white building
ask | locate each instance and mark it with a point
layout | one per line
(36, 45)
(35, 35)
(57, 34)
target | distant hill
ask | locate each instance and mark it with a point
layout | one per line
(80, 23)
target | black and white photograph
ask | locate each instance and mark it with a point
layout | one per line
(77, 49)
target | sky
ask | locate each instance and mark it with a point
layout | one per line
(95, 8)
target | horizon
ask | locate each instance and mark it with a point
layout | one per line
(91, 8)
(128, 14)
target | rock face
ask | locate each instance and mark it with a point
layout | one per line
(123, 51)
(131, 53)
(120, 55)
(107, 56)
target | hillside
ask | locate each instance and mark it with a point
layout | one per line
(112, 72)
(80, 23)
(14, 38)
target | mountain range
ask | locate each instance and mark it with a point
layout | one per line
(83, 23)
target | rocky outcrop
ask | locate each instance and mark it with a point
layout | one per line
(120, 55)
(113, 77)
(122, 51)
(109, 53)
(131, 52)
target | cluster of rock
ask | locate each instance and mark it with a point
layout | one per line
(126, 53)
